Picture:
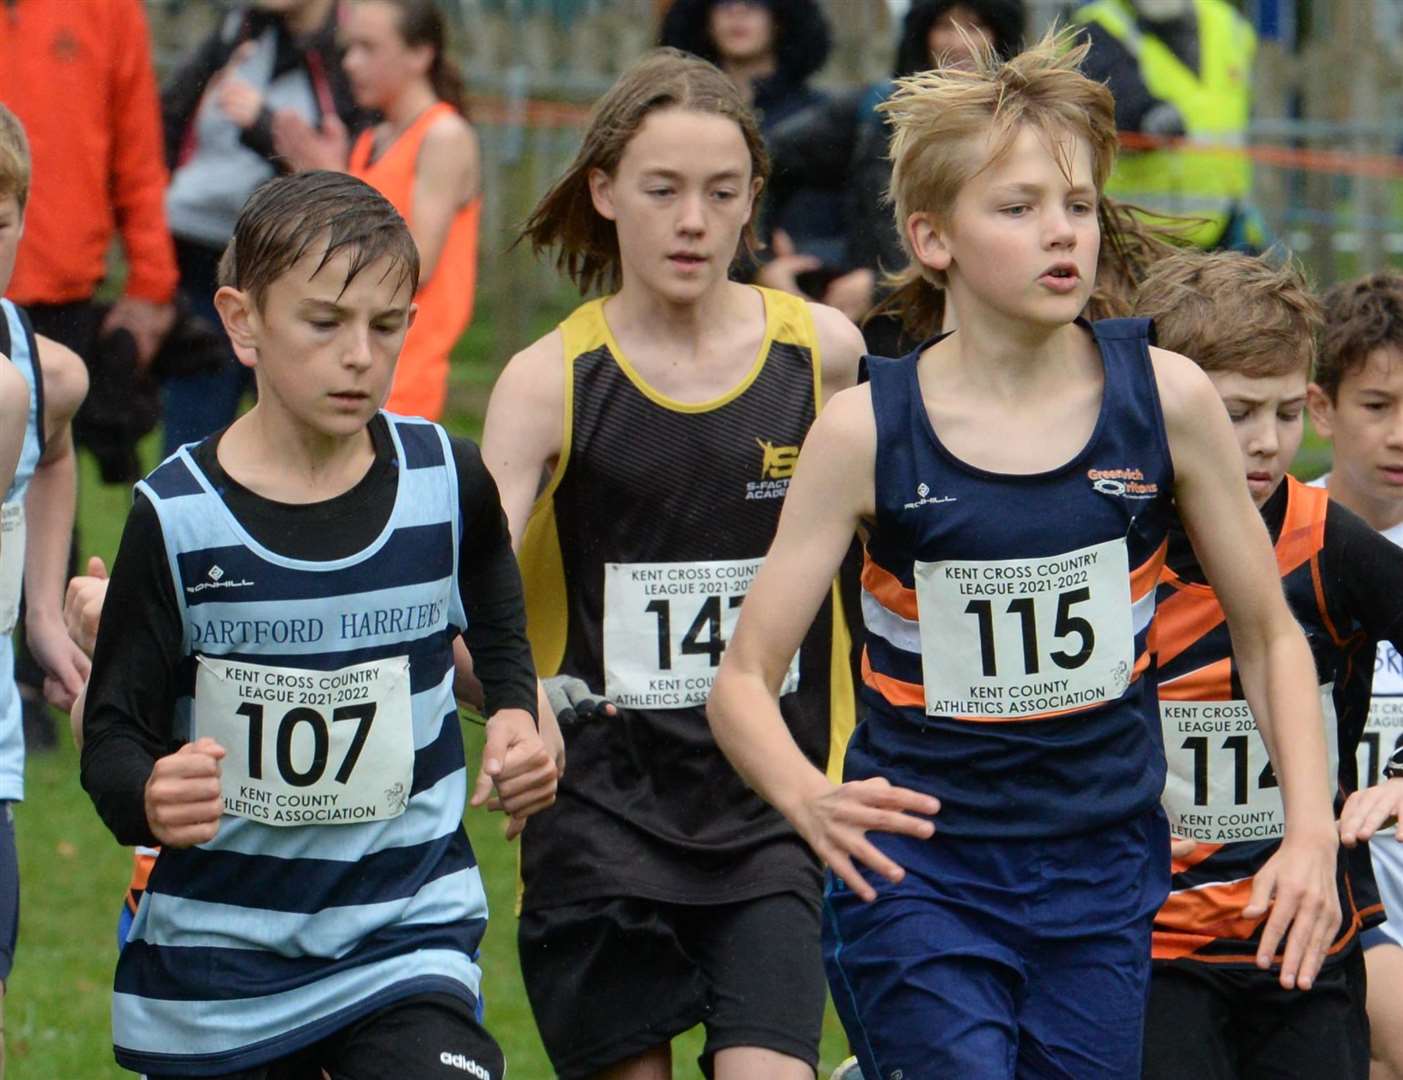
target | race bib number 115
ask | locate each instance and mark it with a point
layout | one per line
(1021, 638)
(309, 747)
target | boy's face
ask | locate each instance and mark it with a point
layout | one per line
(679, 200)
(324, 349)
(1268, 418)
(1021, 240)
(1365, 423)
(11, 228)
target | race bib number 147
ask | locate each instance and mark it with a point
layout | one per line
(666, 626)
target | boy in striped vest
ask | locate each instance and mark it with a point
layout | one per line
(272, 688)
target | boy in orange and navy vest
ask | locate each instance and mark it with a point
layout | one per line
(1213, 1012)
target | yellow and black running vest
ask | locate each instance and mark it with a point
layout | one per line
(636, 559)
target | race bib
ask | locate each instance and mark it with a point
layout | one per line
(11, 562)
(1383, 734)
(665, 629)
(1221, 786)
(1018, 638)
(309, 747)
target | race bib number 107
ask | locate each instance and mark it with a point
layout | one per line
(309, 747)
(666, 626)
(1014, 639)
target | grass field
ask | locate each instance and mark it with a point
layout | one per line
(73, 873)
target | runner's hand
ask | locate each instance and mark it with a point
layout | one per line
(82, 605)
(574, 702)
(183, 801)
(1371, 809)
(782, 272)
(835, 822)
(516, 763)
(1298, 886)
(65, 666)
(304, 147)
(1181, 848)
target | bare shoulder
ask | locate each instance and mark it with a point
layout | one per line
(840, 346)
(848, 422)
(530, 392)
(65, 381)
(450, 137)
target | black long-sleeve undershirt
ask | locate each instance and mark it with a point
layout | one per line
(131, 694)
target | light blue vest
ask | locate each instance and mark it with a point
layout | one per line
(22, 353)
(268, 938)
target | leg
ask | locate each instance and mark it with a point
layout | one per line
(429, 1037)
(764, 977)
(9, 910)
(654, 1064)
(610, 984)
(919, 989)
(1383, 960)
(1188, 1025)
(1085, 1011)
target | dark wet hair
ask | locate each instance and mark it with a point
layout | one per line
(289, 216)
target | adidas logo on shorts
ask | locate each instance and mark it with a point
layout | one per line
(467, 1064)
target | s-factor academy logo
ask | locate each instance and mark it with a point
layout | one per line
(776, 468)
(1125, 483)
(779, 461)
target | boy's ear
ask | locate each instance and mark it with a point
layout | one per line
(1322, 411)
(601, 193)
(239, 315)
(928, 241)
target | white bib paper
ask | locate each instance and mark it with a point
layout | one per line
(1016, 638)
(309, 747)
(666, 626)
(1384, 730)
(12, 537)
(1221, 787)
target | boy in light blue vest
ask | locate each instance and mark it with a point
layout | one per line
(272, 689)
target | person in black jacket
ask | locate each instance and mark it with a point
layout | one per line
(770, 49)
(217, 110)
(842, 142)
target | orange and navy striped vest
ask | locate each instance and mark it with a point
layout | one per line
(1007, 666)
(1221, 789)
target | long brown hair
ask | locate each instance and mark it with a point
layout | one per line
(586, 244)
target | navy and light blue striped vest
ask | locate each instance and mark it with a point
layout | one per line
(17, 342)
(268, 938)
(1017, 753)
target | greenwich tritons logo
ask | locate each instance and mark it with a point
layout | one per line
(1125, 483)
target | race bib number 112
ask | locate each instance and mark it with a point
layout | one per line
(309, 747)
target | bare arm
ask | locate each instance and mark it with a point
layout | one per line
(523, 434)
(49, 509)
(447, 177)
(1277, 671)
(840, 346)
(14, 414)
(830, 495)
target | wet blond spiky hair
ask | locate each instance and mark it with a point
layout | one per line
(942, 118)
